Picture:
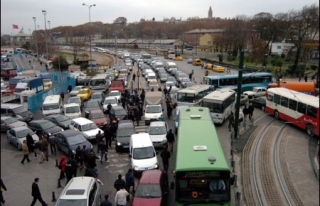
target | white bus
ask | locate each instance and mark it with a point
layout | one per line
(192, 96)
(171, 54)
(147, 58)
(99, 82)
(220, 103)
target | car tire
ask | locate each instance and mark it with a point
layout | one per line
(276, 114)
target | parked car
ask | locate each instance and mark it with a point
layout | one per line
(197, 62)
(60, 120)
(118, 112)
(189, 61)
(76, 100)
(112, 100)
(98, 117)
(208, 66)
(152, 189)
(91, 105)
(218, 69)
(163, 77)
(158, 131)
(68, 141)
(10, 122)
(123, 134)
(46, 126)
(75, 91)
(99, 96)
(259, 102)
(178, 58)
(16, 136)
(85, 93)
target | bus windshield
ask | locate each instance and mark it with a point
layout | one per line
(98, 82)
(213, 107)
(186, 97)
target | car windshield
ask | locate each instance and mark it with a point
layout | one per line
(153, 109)
(23, 133)
(83, 91)
(77, 139)
(112, 94)
(50, 107)
(111, 101)
(74, 100)
(143, 153)
(92, 104)
(47, 125)
(125, 132)
(163, 75)
(90, 126)
(19, 109)
(96, 96)
(74, 109)
(10, 120)
(97, 115)
(72, 202)
(61, 118)
(157, 130)
(148, 191)
(76, 88)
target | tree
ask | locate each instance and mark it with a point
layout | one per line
(26, 46)
(62, 61)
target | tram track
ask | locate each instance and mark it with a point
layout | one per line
(265, 175)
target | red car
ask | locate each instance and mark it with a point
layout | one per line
(152, 189)
(98, 117)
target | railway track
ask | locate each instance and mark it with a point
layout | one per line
(269, 181)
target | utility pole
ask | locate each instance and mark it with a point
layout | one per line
(238, 95)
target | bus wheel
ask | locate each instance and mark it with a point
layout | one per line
(310, 130)
(276, 114)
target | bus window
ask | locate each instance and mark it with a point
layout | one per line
(284, 101)
(293, 104)
(302, 108)
(311, 111)
(276, 99)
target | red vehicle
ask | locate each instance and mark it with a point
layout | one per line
(8, 73)
(98, 117)
(152, 189)
(117, 85)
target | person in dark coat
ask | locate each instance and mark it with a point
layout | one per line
(84, 155)
(231, 121)
(170, 140)
(119, 183)
(62, 95)
(130, 181)
(103, 147)
(106, 201)
(30, 142)
(165, 91)
(74, 165)
(165, 155)
(79, 156)
(109, 108)
(169, 107)
(142, 97)
(245, 112)
(68, 171)
(137, 115)
(36, 193)
(306, 78)
(52, 143)
(69, 88)
(123, 101)
(91, 162)
(108, 135)
(3, 187)
(250, 111)
(133, 77)
(99, 138)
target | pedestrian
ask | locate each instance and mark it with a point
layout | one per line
(123, 101)
(2, 187)
(41, 154)
(79, 156)
(30, 143)
(136, 100)
(170, 140)
(98, 139)
(121, 197)
(47, 69)
(165, 91)
(25, 151)
(313, 78)
(89, 171)
(245, 113)
(250, 111)
(306, 78)
(190, 76)
(231, 121)
(130, 181)
(36, 193)
(206, 73)
(91, 162)
(62, 167)
(169, 105)
(109, 108)
(165, 155)
(69, 89)
(84, 155)
(119, 183)
(137, 115)
(45, 146)
(74, 164)
(106, 201)
(52, 143)
(62, 95)
(133, 77)
(103, 147)
(108, 135)
(241, 116)
(68, 171)
(40, 63)
(300, 76)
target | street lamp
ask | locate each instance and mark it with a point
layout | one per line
(45, 34)
(89, 7)
(35, 27)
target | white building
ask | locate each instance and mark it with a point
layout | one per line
(278, 48)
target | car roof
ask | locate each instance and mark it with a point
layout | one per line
(78, 188)
(69, 132)
(125, 124)
(96, 93)
(40, 121)
(5, 117)
(95, 111)
(74, 97)
(151, 177)
(157, 124)
(17, 129)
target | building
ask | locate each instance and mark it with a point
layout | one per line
(193, 37)
(20, 38)
(279, 48)
(210, 13)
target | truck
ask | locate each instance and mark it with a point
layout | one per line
(152, 106)
(31, 83)
(117, 85)
(80, 77)
(8, 73)
(14, 81)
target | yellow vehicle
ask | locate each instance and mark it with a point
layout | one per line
(178, 58)
(197, 62)
(85, 93)
(208, 66)
(218, 69)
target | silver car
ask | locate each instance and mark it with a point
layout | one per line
(16, 136)
(75, 91)
(10, 122)
(158, 132)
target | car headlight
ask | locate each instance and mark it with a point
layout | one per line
(49, 134)
(156, 166)
(136, 168)
(73, 151)
(119, 143)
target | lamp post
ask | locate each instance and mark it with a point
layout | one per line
(35, 28)
(89, 7)
(45, 34)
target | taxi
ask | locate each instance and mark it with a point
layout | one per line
(85, 93)
(208, 66)
(218, 69)
(197, 62)
(178, 58)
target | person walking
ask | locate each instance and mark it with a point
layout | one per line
(142, 97)
(108, 135)
(165, 155)
(84, 155)
(169, 107)
(103, 147)
(306, 78)
(74, 165)
(170, 140)
(245, 113)
(36, 193)
(68, 171)
(99, 138)
(121, 197)
(2, 187)
(133, 77)
(62, 167)
(52, 143)
(106, 201)
(91, 161)
(137, 115)
(190, 76)
(313, 77)
(62, 96)
(119, 183)
(30, 143)
(79, 156)
(41, 154)
(123, 101)
(69, 88)
(250, 111)
(109, 108)
(130, 181)
(45, 146)
(231, 121)
(25, 151)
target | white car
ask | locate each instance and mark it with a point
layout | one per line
(112, 100)
(158, 132)
(116, 94)
(16, 136)
(256, 92)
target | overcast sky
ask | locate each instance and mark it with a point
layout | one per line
(72, 12)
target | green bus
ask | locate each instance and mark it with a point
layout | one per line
(202, 174)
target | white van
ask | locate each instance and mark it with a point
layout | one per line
(152, 113)
(142, 153)
(88, 128)
(158, 65)
(151, 77)
(72, 110)
(171, 65)
(52, 105)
